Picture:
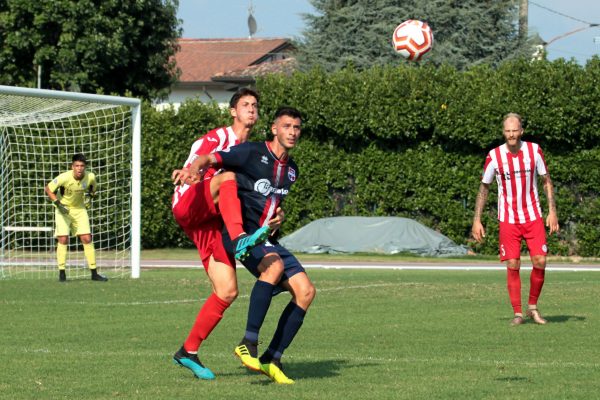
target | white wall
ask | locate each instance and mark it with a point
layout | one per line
(179, 95)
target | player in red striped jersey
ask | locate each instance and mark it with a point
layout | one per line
(516, 165)
(200, 207)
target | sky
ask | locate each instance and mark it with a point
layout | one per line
(283, 18)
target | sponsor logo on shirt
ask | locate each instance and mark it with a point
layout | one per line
(264, 160)
(211, 139)
(507, 174)
(264, 187)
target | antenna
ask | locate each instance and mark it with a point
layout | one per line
(251, 20)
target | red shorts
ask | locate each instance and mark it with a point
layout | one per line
(196, 213)
(511, 236)
(194, 206)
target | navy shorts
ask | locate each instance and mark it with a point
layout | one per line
(291, 265)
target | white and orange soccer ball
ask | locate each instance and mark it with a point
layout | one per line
(412, 39)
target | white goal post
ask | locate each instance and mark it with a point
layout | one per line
(40, 131)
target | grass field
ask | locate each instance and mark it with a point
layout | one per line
(373, 334)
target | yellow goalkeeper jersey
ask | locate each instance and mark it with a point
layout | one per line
(70, 191)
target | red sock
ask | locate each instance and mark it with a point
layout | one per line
(536, 282)
(514, 289)
(209, 316)
(231, 209)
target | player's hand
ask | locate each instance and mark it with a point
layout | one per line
(87, 199)
(478, 231)
(184, 176)
(277, 220)
(552, 223)
(61, 207)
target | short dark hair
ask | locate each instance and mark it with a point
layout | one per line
(79, 157)
(241, 93)
(287, 111)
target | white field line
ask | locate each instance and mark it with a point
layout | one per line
(242, 296)
(200, 300)
(420, 267)
(350, 358)
(442, 267)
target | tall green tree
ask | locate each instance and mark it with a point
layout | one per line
(109, 46)
(359, 32)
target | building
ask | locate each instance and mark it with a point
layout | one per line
(212, 69)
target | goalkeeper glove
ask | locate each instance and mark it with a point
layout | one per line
(87, 199)
(61, 207)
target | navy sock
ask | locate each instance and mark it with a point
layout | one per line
(260, 300)
(289, 324)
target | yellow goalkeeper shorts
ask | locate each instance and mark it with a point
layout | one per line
(75, 223)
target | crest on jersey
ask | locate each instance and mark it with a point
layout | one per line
(292, 174)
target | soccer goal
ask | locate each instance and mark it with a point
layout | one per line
(40, 131)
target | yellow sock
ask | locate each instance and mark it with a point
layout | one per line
(61, 255)
(90, 255)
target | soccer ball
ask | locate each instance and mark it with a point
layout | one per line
(412, 39)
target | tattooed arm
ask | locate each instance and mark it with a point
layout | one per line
(477, 230)
(552, 218)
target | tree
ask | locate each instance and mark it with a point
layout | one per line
(107, 46)
(359, 32)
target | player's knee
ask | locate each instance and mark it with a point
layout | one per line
(306, 294)
(228, 294)
(311, 292)
(86, 239)
(231, 296)
(272, 274)
(513, 264)
(539, 261)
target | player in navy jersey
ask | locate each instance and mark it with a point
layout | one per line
(516, 165)
(201, 206)
(265, 173)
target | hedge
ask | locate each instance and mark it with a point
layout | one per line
(407, 141)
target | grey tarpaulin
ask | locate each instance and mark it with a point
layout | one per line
(389, 235)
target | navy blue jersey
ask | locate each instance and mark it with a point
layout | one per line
(263, 180)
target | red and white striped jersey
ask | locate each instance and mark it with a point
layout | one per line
(518, 200)
(215, 140)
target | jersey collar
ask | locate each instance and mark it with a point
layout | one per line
(284, 156)
(509, 153)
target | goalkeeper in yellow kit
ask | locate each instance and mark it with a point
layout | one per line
(70, 192)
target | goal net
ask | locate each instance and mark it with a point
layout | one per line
(40, 131)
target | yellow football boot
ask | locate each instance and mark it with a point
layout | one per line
(248, 357)
(273, 371)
